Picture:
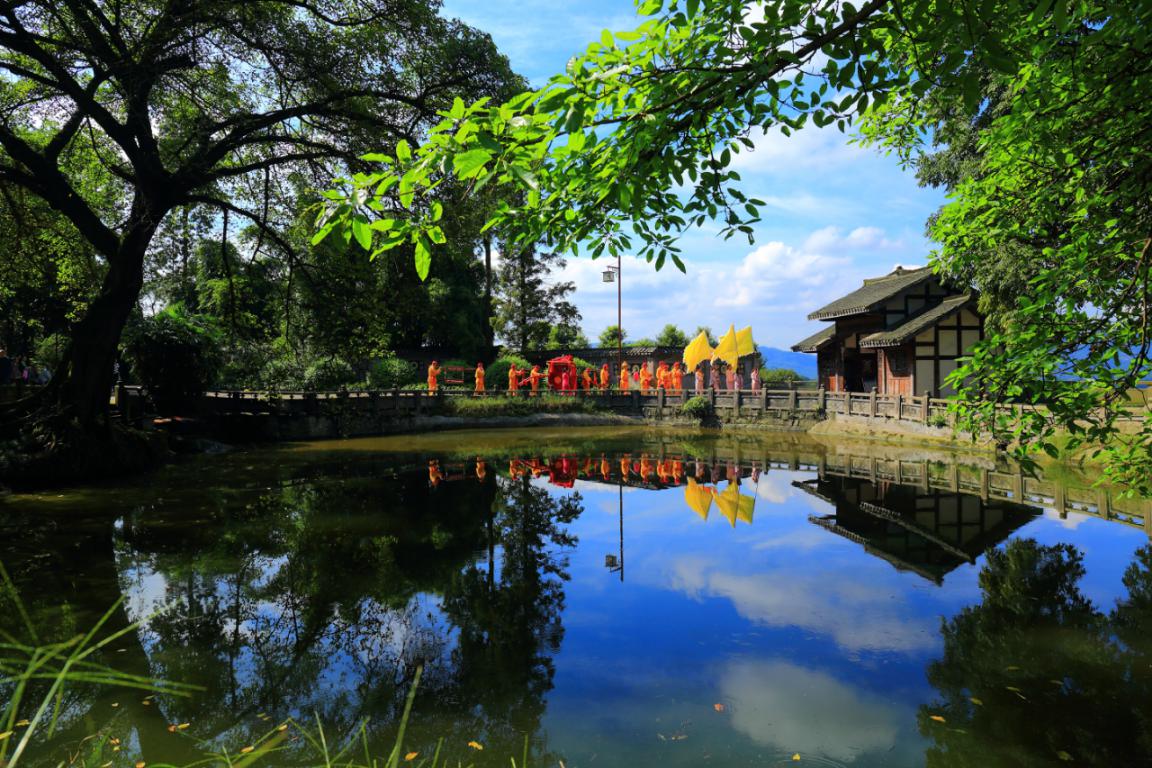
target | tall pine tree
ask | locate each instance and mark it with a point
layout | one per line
(527, 303)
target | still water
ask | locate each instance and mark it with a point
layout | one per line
(637, 599)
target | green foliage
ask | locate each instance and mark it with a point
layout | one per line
(612, 335)
(483, 407)
(671, 336)
(389, 371)
(708, 332)
(282, 373)
(496, 374)
(50, 349)
(582, 364)
(330, 373)
(565, 337)
(785, 375)
(174, 354)
(697, 407)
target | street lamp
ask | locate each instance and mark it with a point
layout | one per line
(613, 275)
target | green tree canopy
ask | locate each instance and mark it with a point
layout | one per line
(671, 336)
(612, 336)
(528, 305)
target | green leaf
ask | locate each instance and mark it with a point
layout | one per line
(606, 39)
(362, 232)
(436, 235)
(403, 151)
(423, 256)
(526, 176)
(470, 163)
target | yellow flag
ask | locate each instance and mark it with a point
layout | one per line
(728, 503)
(726, 349)
(697, 352)
(744, 343)
(745, 507)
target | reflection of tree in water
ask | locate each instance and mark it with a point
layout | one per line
(323, 591)
(1036, 675)
(508, 613)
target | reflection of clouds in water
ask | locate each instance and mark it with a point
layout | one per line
(1073, 521)
(857, 614)
(800, 540)
(775, 487)
(799, 710)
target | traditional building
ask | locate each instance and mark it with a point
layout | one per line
(901, 333)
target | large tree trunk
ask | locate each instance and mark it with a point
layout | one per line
(85, 383)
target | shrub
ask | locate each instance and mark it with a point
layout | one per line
(281, 373)
(780, 375)
(329, 373)
(496, 375)
(697, 407)
(175, 355)
(390, 371)
(49, 350)
(518, 406)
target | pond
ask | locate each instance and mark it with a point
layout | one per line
(640, 598)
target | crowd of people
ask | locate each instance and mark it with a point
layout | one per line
(637, 377)
(21, 370)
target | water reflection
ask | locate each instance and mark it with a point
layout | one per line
(759, 578)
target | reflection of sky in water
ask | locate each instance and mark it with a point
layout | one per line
(811, 644)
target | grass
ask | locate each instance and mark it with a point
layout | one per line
(488, 407)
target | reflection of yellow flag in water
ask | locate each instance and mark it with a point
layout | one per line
(734, 505)
(726, 349)
(744, 343)
(697, 352)
(744, 510)
(699, 497)
(728, 503)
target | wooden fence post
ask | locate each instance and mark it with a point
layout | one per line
(792, 396)
(872, 403)
(822, 400)
(924, 406)
(899, 406)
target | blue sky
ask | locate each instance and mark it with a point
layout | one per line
(836, 213)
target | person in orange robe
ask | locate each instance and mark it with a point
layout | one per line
(645, 379)
(605, 377)
(586, 380)
(479, 378)
(624, 377)
(677, 378)
(662, 376)
(534, 379)
(699, 379)
(433, 373)
(513, 379)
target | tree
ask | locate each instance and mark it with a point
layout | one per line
(671, 336)
(527, 304)
(566, 337)
(206, 104)
(603, 150)
(612, 336)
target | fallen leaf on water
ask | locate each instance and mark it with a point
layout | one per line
(22, 723)
(115, 749)
(114, 742)
(247, 749)
(1011, 669)
(718, 707)
(115, 704)
(141, 764)
(796, 757)
(5, 735)
(678, 737)
(183, 726)
(283, 727)
(937, 718)
(411, 756)
(107, 764)
(976, 701)
(171, 729)
(146, 703)
(1056, 682)
(476, 745)
(1063, 755)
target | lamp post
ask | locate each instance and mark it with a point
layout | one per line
(613, 275)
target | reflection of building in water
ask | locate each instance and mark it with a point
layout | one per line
(929, 532)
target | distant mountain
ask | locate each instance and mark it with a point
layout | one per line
(801, 362)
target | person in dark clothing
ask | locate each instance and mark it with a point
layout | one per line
(5, 367)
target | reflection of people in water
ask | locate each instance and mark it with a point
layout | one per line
(605, 468)
(481, 469)
(625, 468)
(434, 473)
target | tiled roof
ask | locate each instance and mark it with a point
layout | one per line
(816, 340)
(874, 291)
(910, 328)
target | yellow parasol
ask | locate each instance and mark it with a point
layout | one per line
(699, 497)
(697, 352)
(744, 343)
(726, 350)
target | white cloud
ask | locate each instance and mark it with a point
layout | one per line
(857, 615)
(800, 710)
